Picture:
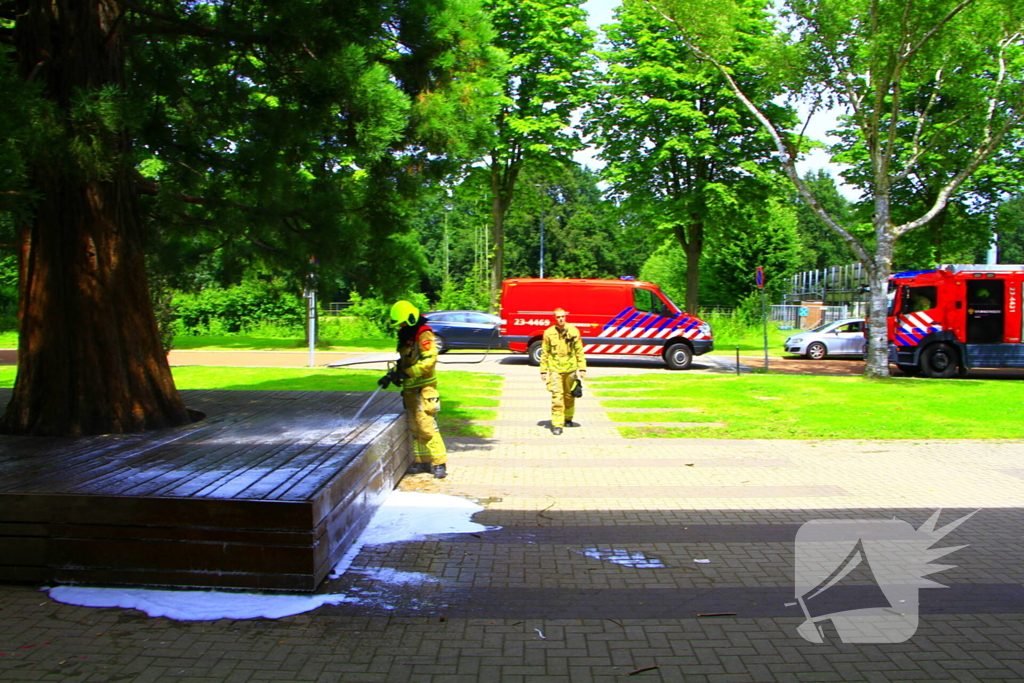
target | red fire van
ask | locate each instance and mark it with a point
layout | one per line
(614, 317)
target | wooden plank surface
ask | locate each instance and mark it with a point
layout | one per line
(266, 492)
(250, 445)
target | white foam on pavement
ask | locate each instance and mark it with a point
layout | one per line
(404, 516)
(629, 558)
(195, 605)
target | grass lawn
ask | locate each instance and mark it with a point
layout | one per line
(465, 396)
(241, 342)
(237, 342)
(750, 340)
(805, 407)
(727, 338)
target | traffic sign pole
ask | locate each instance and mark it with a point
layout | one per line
(759, 279)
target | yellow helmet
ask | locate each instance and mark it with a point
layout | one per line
(404, 312)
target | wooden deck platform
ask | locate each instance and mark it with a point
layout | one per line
(265, 493)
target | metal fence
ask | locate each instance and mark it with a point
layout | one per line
(337, 307)
(835, 284)
(790, 314)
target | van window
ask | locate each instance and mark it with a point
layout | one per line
(647, 301)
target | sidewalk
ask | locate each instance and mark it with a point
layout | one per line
(570, 587)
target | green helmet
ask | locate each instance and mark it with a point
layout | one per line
(404, 312)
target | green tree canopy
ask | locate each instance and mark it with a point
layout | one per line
(680, 149)
(930, 90)
(821, 246)
(301, 128)
(550, 67)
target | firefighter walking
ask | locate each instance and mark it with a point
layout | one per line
(561, 364)
(417, 358)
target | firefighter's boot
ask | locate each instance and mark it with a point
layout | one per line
(439, 471)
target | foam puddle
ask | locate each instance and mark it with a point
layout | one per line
(404, 516)
(628, 558)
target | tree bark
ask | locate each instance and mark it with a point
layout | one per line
(90, 359)
(503, 181)
(879, 269)
(497, 252)
(691, 238)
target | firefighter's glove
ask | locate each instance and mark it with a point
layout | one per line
(577, 388)
(394, 376)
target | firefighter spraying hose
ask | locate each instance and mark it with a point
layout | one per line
(414, 374)
(391, 378)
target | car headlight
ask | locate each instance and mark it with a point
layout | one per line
(704, 329)
(794, 340)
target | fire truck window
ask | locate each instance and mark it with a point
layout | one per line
(644, 300)
(985, 317)
(984, 293)
(923, 299)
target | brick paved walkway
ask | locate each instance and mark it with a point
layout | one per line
(535, 601)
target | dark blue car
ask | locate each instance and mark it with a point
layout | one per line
(464, 329)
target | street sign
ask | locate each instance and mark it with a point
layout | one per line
(759, 277)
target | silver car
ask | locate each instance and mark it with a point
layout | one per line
(839, 338)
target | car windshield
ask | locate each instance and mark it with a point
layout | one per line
(824, 327)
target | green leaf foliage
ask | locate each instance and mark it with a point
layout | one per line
(1010, 228)
(282, 129)
(821, 246)
(775, 245)
(243, 307)
(550, 71)
(683, 157)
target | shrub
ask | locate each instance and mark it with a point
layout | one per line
(471, 295)
(345, 328)
(241, 308)
(376, 312)
(8, 293)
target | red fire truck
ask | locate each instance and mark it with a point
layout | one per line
(614, 317)
(957, 317)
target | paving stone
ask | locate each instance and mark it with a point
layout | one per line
(738, 504)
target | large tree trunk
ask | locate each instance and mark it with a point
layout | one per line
(879, 269)
(90, 359)
(691, 239)
(503, 182)
(497, 252)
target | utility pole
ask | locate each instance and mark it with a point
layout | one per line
(542, 242)
(310, 294)
(759, 279)
(447, 274)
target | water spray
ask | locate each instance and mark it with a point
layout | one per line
(391, 366)
(366, 403)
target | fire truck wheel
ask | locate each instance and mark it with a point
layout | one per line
(678, 357)
(939, 361)
(442, 345)
(533, 353)
(816, 351)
